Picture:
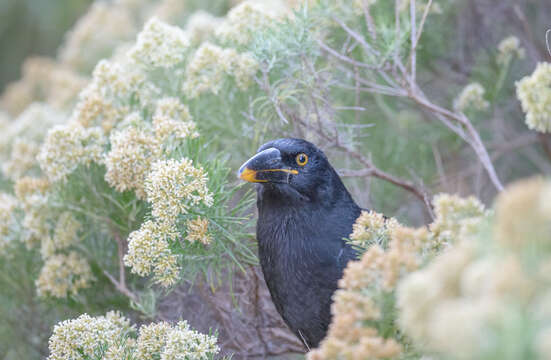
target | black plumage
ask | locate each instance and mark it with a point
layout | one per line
(304, 213)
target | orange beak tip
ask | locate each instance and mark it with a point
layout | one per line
(248, 175)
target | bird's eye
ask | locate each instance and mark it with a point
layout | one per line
(302, 159)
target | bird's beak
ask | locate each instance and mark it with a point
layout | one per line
(266, 166)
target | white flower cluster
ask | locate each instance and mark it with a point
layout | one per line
(82, 338)
(509, 48)
(20, 143)
(32, 194)
(149, 250)
(160, 45)
(112, 337)
(471, 97)
(116, 80)
(197, 230)
(104, 27)
(243, 20)
(43, 80)
(372, 228)
(106, 100)
(68, 146)
(523, 215)
(201, 26)
(31, 124)
(209, 64)
(22, 158)
(173, 187)
(534, 93)
(455, 217)
(64, 275)
(65, 235)
(168, 342)
(133, 151)
(172, 119)
(7, 220)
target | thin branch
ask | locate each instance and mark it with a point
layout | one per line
(413, 54)
(120, 284)
(344, 48)
(548, 41)
(422, 25)
(470, 136)
(413, 15)
(356, 92)
(482, 153)
(122, 289)
(392, 90)
(273, 98)
(369, 21)
(396, 25)
(344, 58)
(372, 170)
(463, 128)
(442, 114)
(357, 37)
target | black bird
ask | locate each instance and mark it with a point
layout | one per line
(304, 212)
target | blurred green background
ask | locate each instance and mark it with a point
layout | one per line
(33, 27)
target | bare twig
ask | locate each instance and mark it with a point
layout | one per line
(548, 41)
(120, 284)
(470, 136)
(372, 170)
(422, 24)
(413, 15)
(343, 57)
(360, 39)
(273, 98)
(369, 21)
(122, 289)
(396, 25)
(357, 92)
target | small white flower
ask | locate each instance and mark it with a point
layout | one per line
(160, 45)
(472, 97)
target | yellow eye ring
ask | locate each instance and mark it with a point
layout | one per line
(302, 159)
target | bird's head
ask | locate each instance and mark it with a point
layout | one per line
(294, 169)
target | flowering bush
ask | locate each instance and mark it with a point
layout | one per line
(534, 92)
(365, 323)
(116, 188)
(485, 297)
(111, 337)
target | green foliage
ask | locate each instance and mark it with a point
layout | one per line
(332, 72)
